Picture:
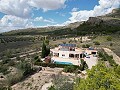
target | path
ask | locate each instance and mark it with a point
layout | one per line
(115, 57)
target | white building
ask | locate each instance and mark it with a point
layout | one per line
(70, 54)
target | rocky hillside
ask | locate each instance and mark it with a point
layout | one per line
(112, 18)
(74, 25)
(106, 24)
(115, 13)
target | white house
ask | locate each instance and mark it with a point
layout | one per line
(70, 54)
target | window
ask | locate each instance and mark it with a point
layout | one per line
(56, 54)
(71, 55)
(76, 55)
(81, 55)
(93, 52)
(63, 54)
(72, 49)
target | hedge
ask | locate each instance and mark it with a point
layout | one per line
(53, 65)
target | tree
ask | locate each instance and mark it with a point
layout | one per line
(25, 67)
(2, 41)
(85, 46)
(47, 42)
(99, 78)
(43, 55)
(47, 51)
(37, 59)
(83, 65)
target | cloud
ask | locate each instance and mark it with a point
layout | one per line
(18, 8)
(41, 19)
(74, 9)
(18, 13)
(47, 4)
(9, 22)
(104, 7)
(23, 8)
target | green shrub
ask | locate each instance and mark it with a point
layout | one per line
(53, 65)
(11, 63)
(47, 42)
(62, 82)
(52, 88)
(64, 42)
(5, 88)
(83, 65)
(26, 67)
(16, 78)
(109, 38)
(36, 57)
(18, 58)
(96, 43)
(105, 57)
(85, 46)
(70, 69)
(70, 41)
(111, 44)
(4, 69)
(5, 61)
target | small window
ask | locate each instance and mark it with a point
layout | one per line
(71, 55)
(76, 55)
(63, 54)
(93, 52)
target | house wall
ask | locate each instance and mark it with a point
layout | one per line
(90, 51)
(64, 54)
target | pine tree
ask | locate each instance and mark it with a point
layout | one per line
(47, 51)
(43, 55)
(100, 77)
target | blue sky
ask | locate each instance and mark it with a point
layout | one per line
(17, 14)
(63, 14)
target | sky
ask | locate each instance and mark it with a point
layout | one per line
(19, 14)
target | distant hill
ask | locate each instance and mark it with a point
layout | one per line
(115, 13)
(112, 18)
(74, 25)
(106, 24)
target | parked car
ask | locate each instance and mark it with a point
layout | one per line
(94, 55)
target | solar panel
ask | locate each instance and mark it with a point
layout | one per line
(68, 45)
